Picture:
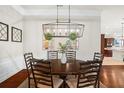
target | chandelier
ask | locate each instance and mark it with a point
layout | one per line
(63, 28)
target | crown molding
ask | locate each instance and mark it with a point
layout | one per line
(19, 9)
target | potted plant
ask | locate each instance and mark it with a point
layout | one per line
(48, 36)
(63, 47)
(72, 36)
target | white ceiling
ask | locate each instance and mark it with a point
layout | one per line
(51, 7)
(77, 12)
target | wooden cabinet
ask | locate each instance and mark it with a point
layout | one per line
(107, 53)
(108, 42)
(106, 45)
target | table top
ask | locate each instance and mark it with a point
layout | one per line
(71, 67)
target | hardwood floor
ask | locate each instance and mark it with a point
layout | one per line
(15, 80)
(112, 76)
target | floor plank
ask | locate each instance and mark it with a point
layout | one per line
(15, 80)
(112, 76)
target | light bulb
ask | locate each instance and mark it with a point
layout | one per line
(60, 31)
(54, 31)
(78, 31)
(48, 30)
(65, 31)
(71, 30)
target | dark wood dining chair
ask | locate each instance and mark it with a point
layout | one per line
(70, 55)
(43, 77)
(28, 58)
(52, 54)
(88, 75)
(98, 56)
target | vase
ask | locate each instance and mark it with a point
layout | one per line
(63, 58)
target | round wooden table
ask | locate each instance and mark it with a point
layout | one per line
(68, 68)
(71, 67)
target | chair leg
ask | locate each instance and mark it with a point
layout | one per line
(98, 84)
(35, 83)
(29, 82)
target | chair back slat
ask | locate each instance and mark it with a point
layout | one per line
(45, 83)
(42, 73)
(89, 73)
(70, 55)
(98, 56)
(52, 54)
(86, 85)
(43, 79)
(28, 57)
(28, 64)
(43, 66)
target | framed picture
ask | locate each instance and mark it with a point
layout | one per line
(16, 34)
(4, 32)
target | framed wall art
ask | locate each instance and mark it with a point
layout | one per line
(4, 32)
(16, 34)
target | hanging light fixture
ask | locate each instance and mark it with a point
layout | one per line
(63, 28)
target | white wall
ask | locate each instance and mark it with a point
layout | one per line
(11, 53)
(111, 20)
(33, 38)
(88, 44)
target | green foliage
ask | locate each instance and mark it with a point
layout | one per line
(63, 47)
(73, 36)
(48, 36)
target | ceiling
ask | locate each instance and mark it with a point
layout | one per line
(51, 7)
(77, 12)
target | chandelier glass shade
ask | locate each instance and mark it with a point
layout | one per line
(63, 29)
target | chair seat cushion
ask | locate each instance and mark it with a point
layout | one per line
(71, 77)
(56, 83)
(72, 83)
